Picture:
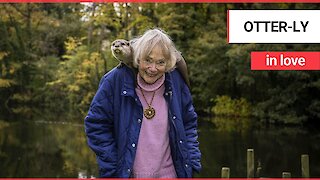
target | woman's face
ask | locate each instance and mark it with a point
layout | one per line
(153, 66)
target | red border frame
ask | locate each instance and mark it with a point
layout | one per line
(161, 1)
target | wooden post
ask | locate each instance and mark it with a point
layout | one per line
(259, 169)
(258, 174)
(250, 163)
(225, 172)
(82, 175)
(286, 175)
(305, 166)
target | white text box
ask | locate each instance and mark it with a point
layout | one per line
(274, 26)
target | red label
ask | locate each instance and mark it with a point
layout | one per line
(285, 60)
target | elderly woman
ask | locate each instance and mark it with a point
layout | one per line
(148, 130)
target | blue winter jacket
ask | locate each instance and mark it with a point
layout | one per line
(114, 120)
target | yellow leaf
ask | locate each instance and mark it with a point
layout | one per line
(5, 83)
(2, 55)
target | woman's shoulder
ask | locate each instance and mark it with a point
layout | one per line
(115, 77)
(116, 73)
(175, 76)
(175, 79)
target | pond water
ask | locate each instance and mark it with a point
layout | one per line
(276, 149)
(41, 148)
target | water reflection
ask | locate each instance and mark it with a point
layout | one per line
(37, 149)
(51, 148)
(228, 124)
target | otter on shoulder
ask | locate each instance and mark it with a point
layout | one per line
(122, 51)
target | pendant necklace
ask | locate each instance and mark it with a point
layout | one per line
(148, 112)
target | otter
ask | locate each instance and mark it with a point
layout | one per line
(122, 50)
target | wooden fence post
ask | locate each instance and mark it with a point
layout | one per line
(250, 163)
(305, 166)
(286, 175)
(225, 172)
(259, 170)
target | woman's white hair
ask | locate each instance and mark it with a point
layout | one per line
(143, 46)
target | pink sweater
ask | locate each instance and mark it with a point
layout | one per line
(153, 157)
